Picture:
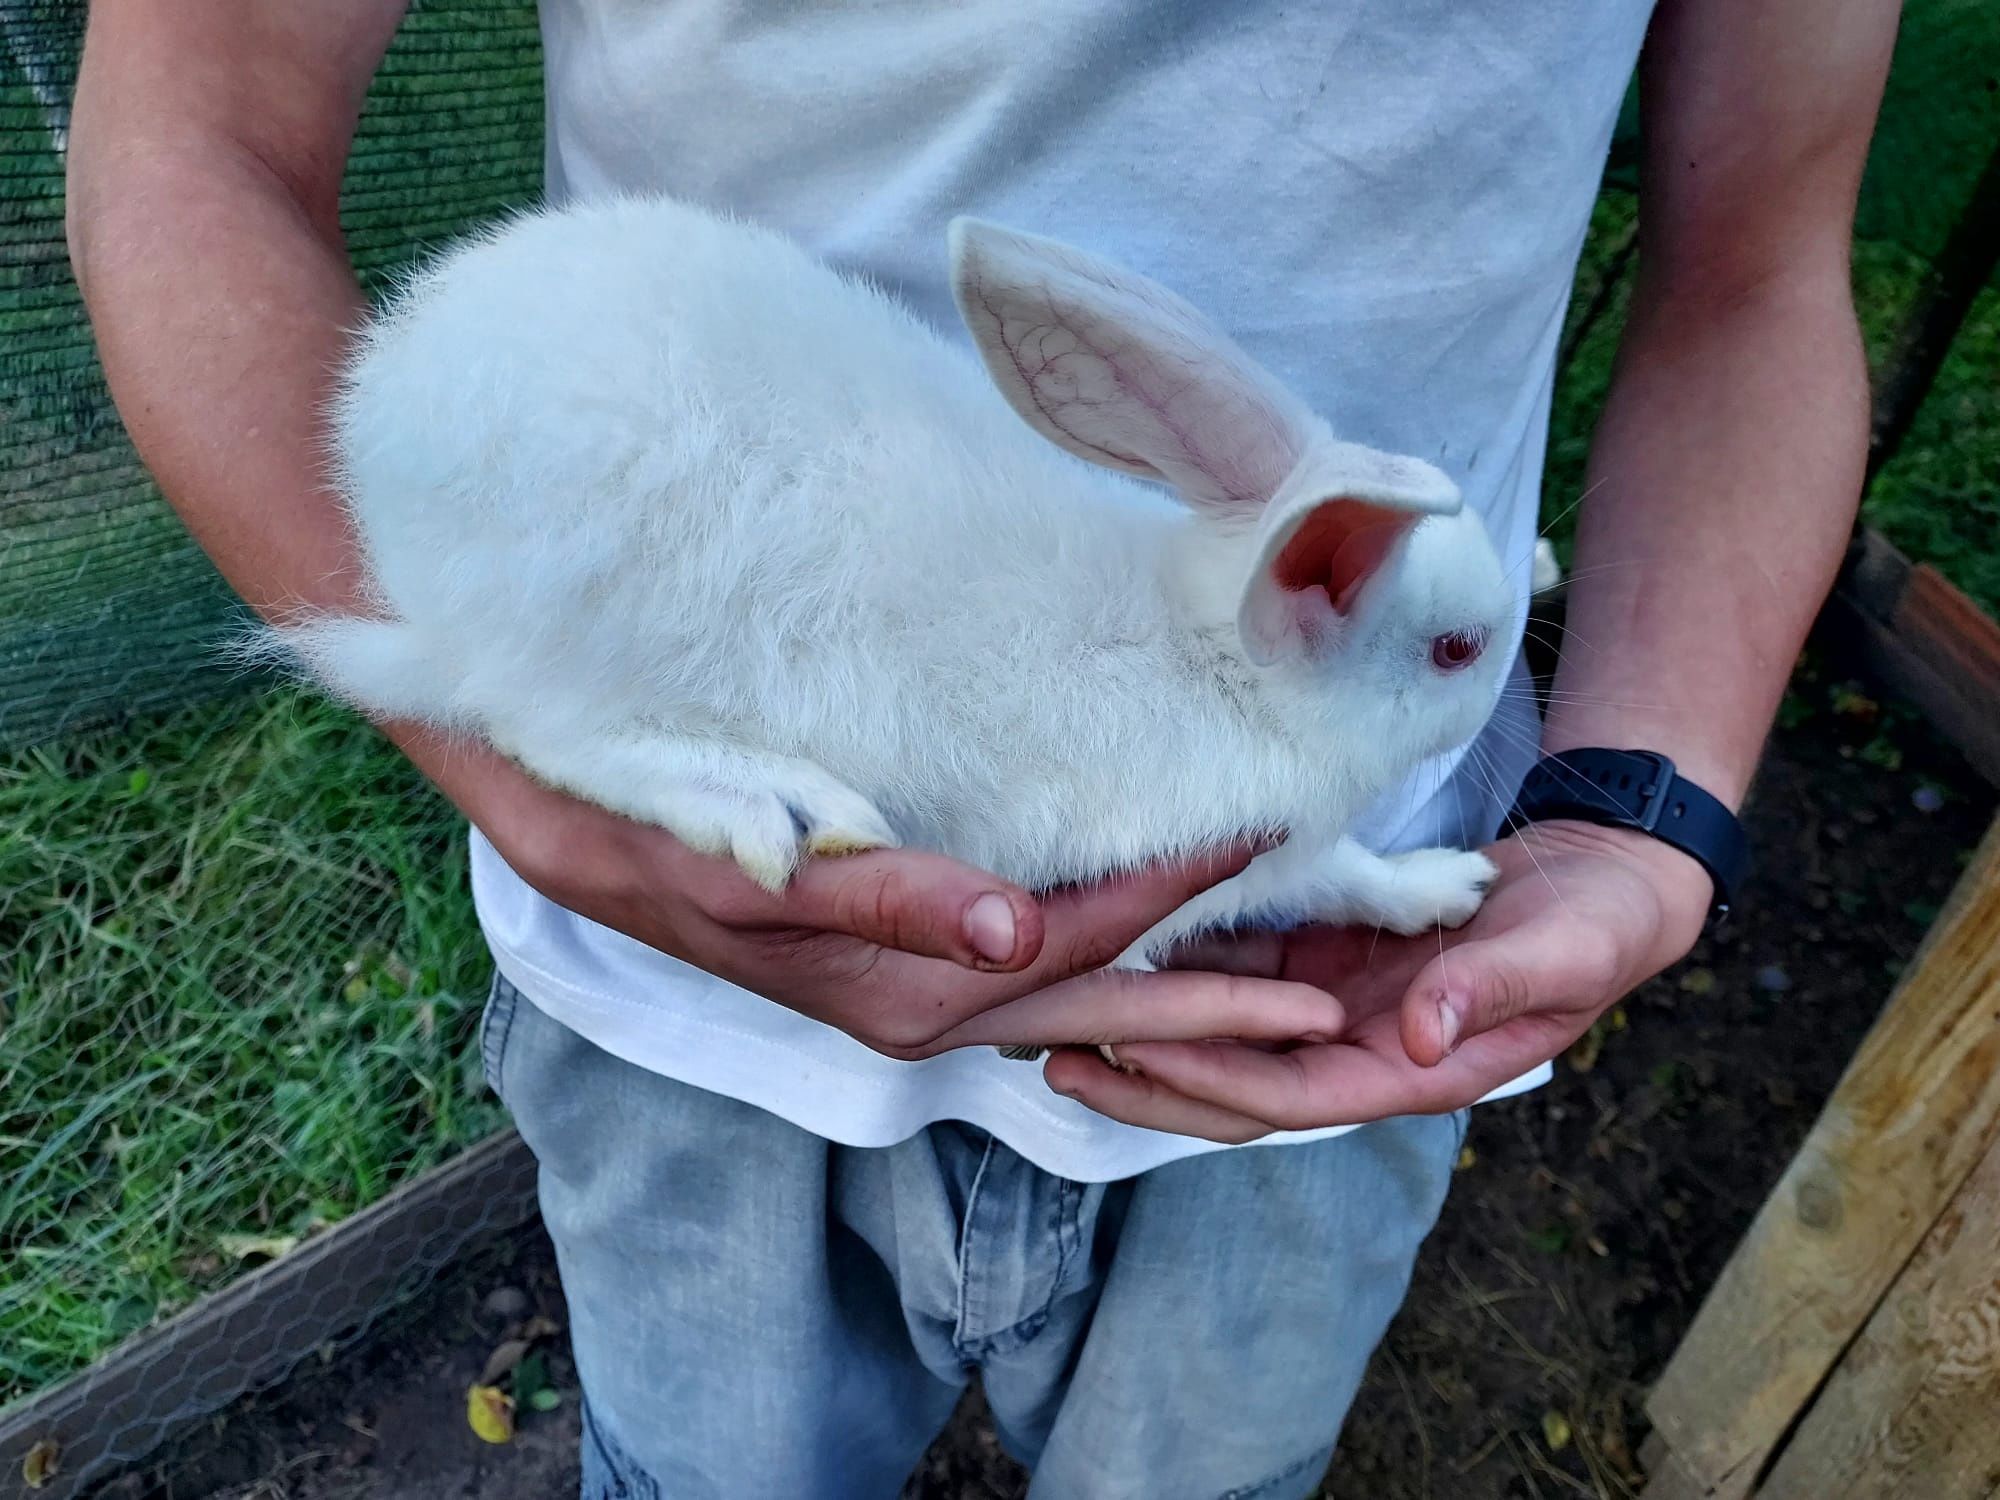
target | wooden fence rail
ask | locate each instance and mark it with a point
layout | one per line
(1851, 1347)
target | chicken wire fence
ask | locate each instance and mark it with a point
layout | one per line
(109, 609)
(239, 974)
(238, 970)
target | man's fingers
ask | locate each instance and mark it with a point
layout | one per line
(1089, 926)
(1139, 1101)
(1344, 1083)
(1298, 1090)
(920, 907)
(914, 903)
(926, 904)
(1117, 1005)
(1281, 1089)
(1260, 954)
(1367, 968)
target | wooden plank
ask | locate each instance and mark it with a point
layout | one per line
(1951, 632)
(1914, 1407)
(257, 1328)
(1916, 1111)
(1669, 1478)
(1908, 627)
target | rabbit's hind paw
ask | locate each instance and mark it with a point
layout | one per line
(1029, 1052)
(766, 812)
(827, 819)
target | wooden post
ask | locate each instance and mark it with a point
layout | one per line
(1914, 1407)
(1917, 1111)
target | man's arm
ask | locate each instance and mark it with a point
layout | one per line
(1728, 462)
(207, 147)
(1723, 484)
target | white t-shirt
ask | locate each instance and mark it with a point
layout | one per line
(1383, 200)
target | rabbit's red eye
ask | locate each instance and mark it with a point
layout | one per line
(1460, 648)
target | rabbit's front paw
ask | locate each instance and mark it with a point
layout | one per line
(1435, 888)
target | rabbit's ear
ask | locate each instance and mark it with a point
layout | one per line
(1119, 370)
(1329, 533)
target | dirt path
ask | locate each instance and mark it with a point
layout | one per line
(1583, 1229)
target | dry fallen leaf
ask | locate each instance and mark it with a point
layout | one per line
(243, 1246)
(489, 1413)
(540, 1327)
(503, 1359)
(1466, 1158)
(1555, 1430)
(40, 1465)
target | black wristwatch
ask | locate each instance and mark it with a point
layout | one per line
(1638, 789)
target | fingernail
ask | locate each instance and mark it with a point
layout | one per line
(1448, 1024)
(989, 927)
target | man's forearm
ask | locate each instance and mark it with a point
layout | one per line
(206, 154)
(220, 311)
(1721, 495)
(222, 305)
(203, 208)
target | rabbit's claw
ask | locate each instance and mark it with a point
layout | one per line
(1030, 1052)
(773, 818)
(823, 819)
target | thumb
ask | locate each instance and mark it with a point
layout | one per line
(1472, 989)
(916, 903)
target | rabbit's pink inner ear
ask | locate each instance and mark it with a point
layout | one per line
(1339, 547)
(1120, 371)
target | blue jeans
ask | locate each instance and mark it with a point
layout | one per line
(757, 1311)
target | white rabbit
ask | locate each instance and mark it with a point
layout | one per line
(702, 532)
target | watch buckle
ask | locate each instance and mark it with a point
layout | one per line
(1653, 798)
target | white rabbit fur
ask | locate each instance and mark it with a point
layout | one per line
(698, 530)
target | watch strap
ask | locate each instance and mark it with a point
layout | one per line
(1641, 790)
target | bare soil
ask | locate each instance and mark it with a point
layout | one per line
(1587, 1220)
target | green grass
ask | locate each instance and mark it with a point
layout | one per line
(1940, 119)
(112, 611)
(1939, 499)
(240, 980)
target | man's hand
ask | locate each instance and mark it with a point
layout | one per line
(909, 953)
(1579, 917)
